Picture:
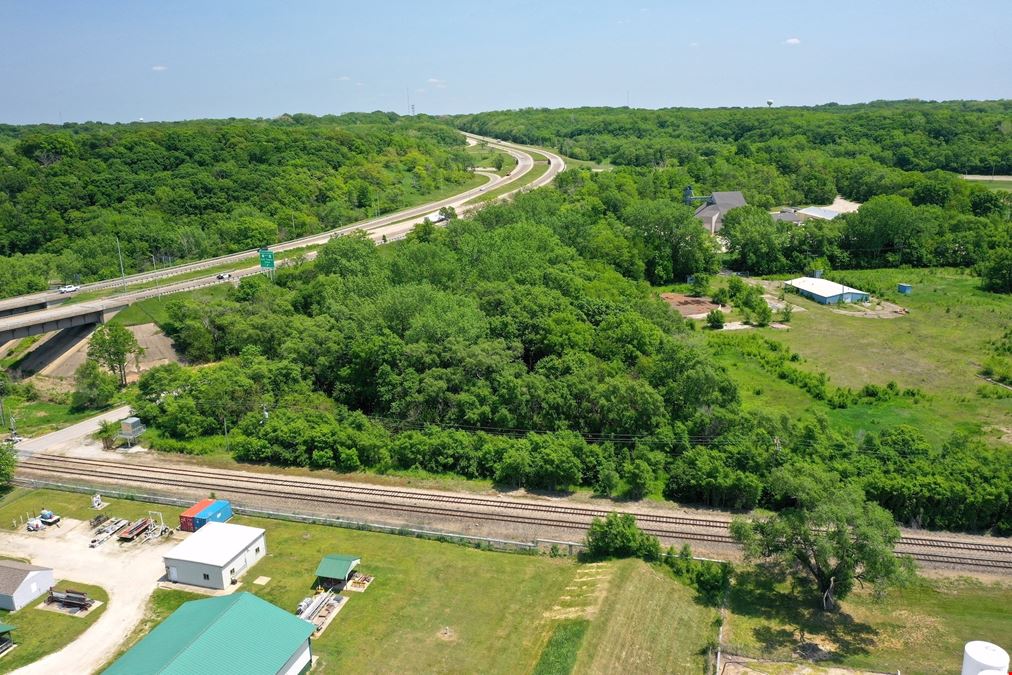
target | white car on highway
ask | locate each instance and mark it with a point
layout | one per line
(69, 288)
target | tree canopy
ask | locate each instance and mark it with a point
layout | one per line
(827, 533)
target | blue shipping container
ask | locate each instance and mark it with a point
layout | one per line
(218, 512)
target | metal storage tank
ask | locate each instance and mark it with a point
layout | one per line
(980, 657)
(905, 289)
(186, 523)
(218, 511)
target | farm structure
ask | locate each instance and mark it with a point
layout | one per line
(21, 583)
(216, 555)
(335, 568)
(238, 633)
(204, 512)
(825, 291)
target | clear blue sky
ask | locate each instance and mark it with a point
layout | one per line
(167, 60)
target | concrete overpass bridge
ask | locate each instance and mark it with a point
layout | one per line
(45, 320)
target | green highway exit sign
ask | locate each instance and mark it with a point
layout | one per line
(266, 259)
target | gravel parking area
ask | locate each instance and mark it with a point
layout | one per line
(127, 573)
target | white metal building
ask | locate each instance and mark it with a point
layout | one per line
(21, 583)
(825, 291)
(818, 213)
(215, 555)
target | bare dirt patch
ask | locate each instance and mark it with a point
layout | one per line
(689, 306)
(877, 310)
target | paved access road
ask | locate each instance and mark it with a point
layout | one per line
(72, 433)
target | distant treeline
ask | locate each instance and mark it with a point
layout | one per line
(186, 190)
(898, 157)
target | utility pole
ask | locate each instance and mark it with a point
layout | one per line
(119, 252)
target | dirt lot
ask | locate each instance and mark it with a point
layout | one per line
(128, 573)
(157, 351)
(689, 306)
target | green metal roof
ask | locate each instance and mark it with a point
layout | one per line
(6, 628)
(237, 633)
(335, 566)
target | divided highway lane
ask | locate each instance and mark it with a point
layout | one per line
(386, 228)
(524, 164)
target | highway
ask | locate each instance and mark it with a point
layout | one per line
(382, 229)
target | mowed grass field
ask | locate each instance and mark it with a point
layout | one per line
(17, 503)
(441, 607)
(40, 632)
(938, 348)
(647, 623)
(918, 629)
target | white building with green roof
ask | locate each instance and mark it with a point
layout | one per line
(237, 633)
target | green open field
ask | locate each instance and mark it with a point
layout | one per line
(15, 503)
(40, 632)
(155, 310)
(34, 418)
(938, 348)
(996, 183)
(918, 629)
(539, 169)
(445, 607)
(485, 157)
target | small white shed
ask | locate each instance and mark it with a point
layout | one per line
(215, 555)
(20, 583)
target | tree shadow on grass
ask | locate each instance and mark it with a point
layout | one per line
(794, 621)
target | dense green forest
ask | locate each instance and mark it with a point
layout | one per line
(496, 349)
(899, 157)
(808, 145)
(190, 190)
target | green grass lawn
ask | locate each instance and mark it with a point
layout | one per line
(40, 632)
(919, 629)
(647, 623)
(539, 169)
(994, 183)
(17, 503)
(938, 348)
(485, 157)
(155, 310)
(560, 654)
(34, 418)
(444, 607)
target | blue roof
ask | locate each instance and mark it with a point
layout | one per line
(237, 633)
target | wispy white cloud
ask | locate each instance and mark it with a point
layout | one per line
(360, 84)
(792, 41)
(437, 83)
(693, 44)
(344, 78)
(159, 69)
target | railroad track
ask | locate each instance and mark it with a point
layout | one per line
(667, 527)
(394, 493)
